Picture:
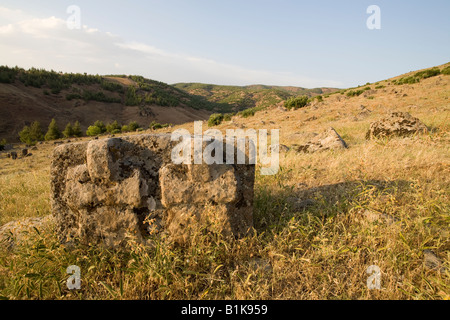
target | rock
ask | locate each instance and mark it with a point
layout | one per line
(280, 148)
(13, 155)
(16, 232)
(29, 154)
(432, 262)
(374, 217)
(24, 152)
(34, 148)
(327, 140)
(396, 124)
(107, 191)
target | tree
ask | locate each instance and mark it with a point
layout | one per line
(93, 131)
(53, 132)
(100, 125)
(77, 129)
(24, 135)
(36, 131)
(68, 131)
(133, 126)
(113, 126)
(125, 128)
(31, 135)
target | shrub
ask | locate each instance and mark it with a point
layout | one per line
(131, 99)
(100, 125)
(355, 93)
(125, 128)
(116, 131)
(215, 119)
(427, 73)
(227, 117)
(155, 125)
(2, 144)
(446, 70)
(380, 87)
(53, 131)
(407, 80)
(93, 131)
(247, 113)
(113, 126)
(296, 102)
(133, 126)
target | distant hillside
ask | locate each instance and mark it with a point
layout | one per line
(245, 97)
(40, 95)
(37, 94)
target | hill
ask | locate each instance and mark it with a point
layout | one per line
(40, 95)
(37, 94)
(322, 223)
(244, 97)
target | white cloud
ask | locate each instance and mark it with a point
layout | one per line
(47, 43)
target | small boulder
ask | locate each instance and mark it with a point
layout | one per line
(13, 155)
(396, 124)
(327, 140)
(24, 152)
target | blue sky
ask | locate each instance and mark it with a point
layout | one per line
(284, 42)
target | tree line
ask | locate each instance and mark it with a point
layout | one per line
(34, 133)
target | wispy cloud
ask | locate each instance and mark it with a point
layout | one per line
(47, 43)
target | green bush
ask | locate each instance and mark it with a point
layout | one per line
(93, 131)
(133, 126)
(227, 116)
(427, 73)
(215, 119)
(407, 80)
(296, 102)
(100, 125)
(354, 93)
(446, 70)
(247, 113)
(155, 125)
(116, 131)
(131, 99)
(113, 126)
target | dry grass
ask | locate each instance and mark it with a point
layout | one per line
(319, 252)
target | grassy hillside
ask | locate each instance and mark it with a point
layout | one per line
(379, 202)
(241, 98)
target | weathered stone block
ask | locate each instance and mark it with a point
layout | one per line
(108, 190)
